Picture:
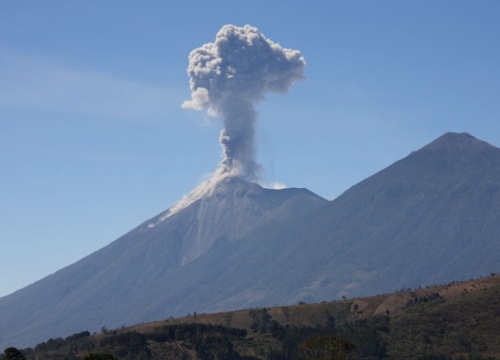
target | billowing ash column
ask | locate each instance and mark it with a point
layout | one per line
(228, 77)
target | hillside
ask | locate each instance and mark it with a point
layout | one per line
(431, 217)
(448, 321)
(152, 264)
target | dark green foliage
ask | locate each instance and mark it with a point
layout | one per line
(467, 324)
(423, 299)
(101, 356)
(326, 347)
(181, 331)
(461, 328)
(365, 334)
(447, 357)
(59, 348)
(71, 345)
(261, 320)
(79, 335)
(51, 344)
(368, 335)
(11, 353)
(209, 341)
(128, 344)
(434, 357)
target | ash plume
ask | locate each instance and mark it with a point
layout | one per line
(228, 77)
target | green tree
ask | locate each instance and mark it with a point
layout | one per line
(326, 348)
(100, 357)
(11, 353)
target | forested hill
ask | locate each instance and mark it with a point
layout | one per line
(451, 321)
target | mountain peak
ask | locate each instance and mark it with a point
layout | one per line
(457, 141)
(452, 139)
(234, 184)
(232, 208)
(456, 136)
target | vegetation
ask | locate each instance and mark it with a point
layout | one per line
(464, 325)
(12, 353)
(449, 322)
(99, 357)
(326, 347)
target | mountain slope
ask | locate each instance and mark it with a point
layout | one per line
(429, 218)
(139, 277)
(448, 321)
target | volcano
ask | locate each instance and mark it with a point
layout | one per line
(153, 271)
(430, 218)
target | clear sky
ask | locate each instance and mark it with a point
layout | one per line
(93, 139)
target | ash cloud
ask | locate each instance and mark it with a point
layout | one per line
(228, 77)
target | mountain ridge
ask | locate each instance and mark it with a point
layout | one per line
(139, 262)
(443, 310)
(431, 217)
(418, 189)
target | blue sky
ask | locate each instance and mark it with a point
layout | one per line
(93, 139)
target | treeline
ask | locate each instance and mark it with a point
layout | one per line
(206, 341)
(364, 334)
(361, 339)
(435, 329)
(427, 328)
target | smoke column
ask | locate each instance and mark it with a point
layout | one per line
(228, 77)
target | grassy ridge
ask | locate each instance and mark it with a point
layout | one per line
(453, 321)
